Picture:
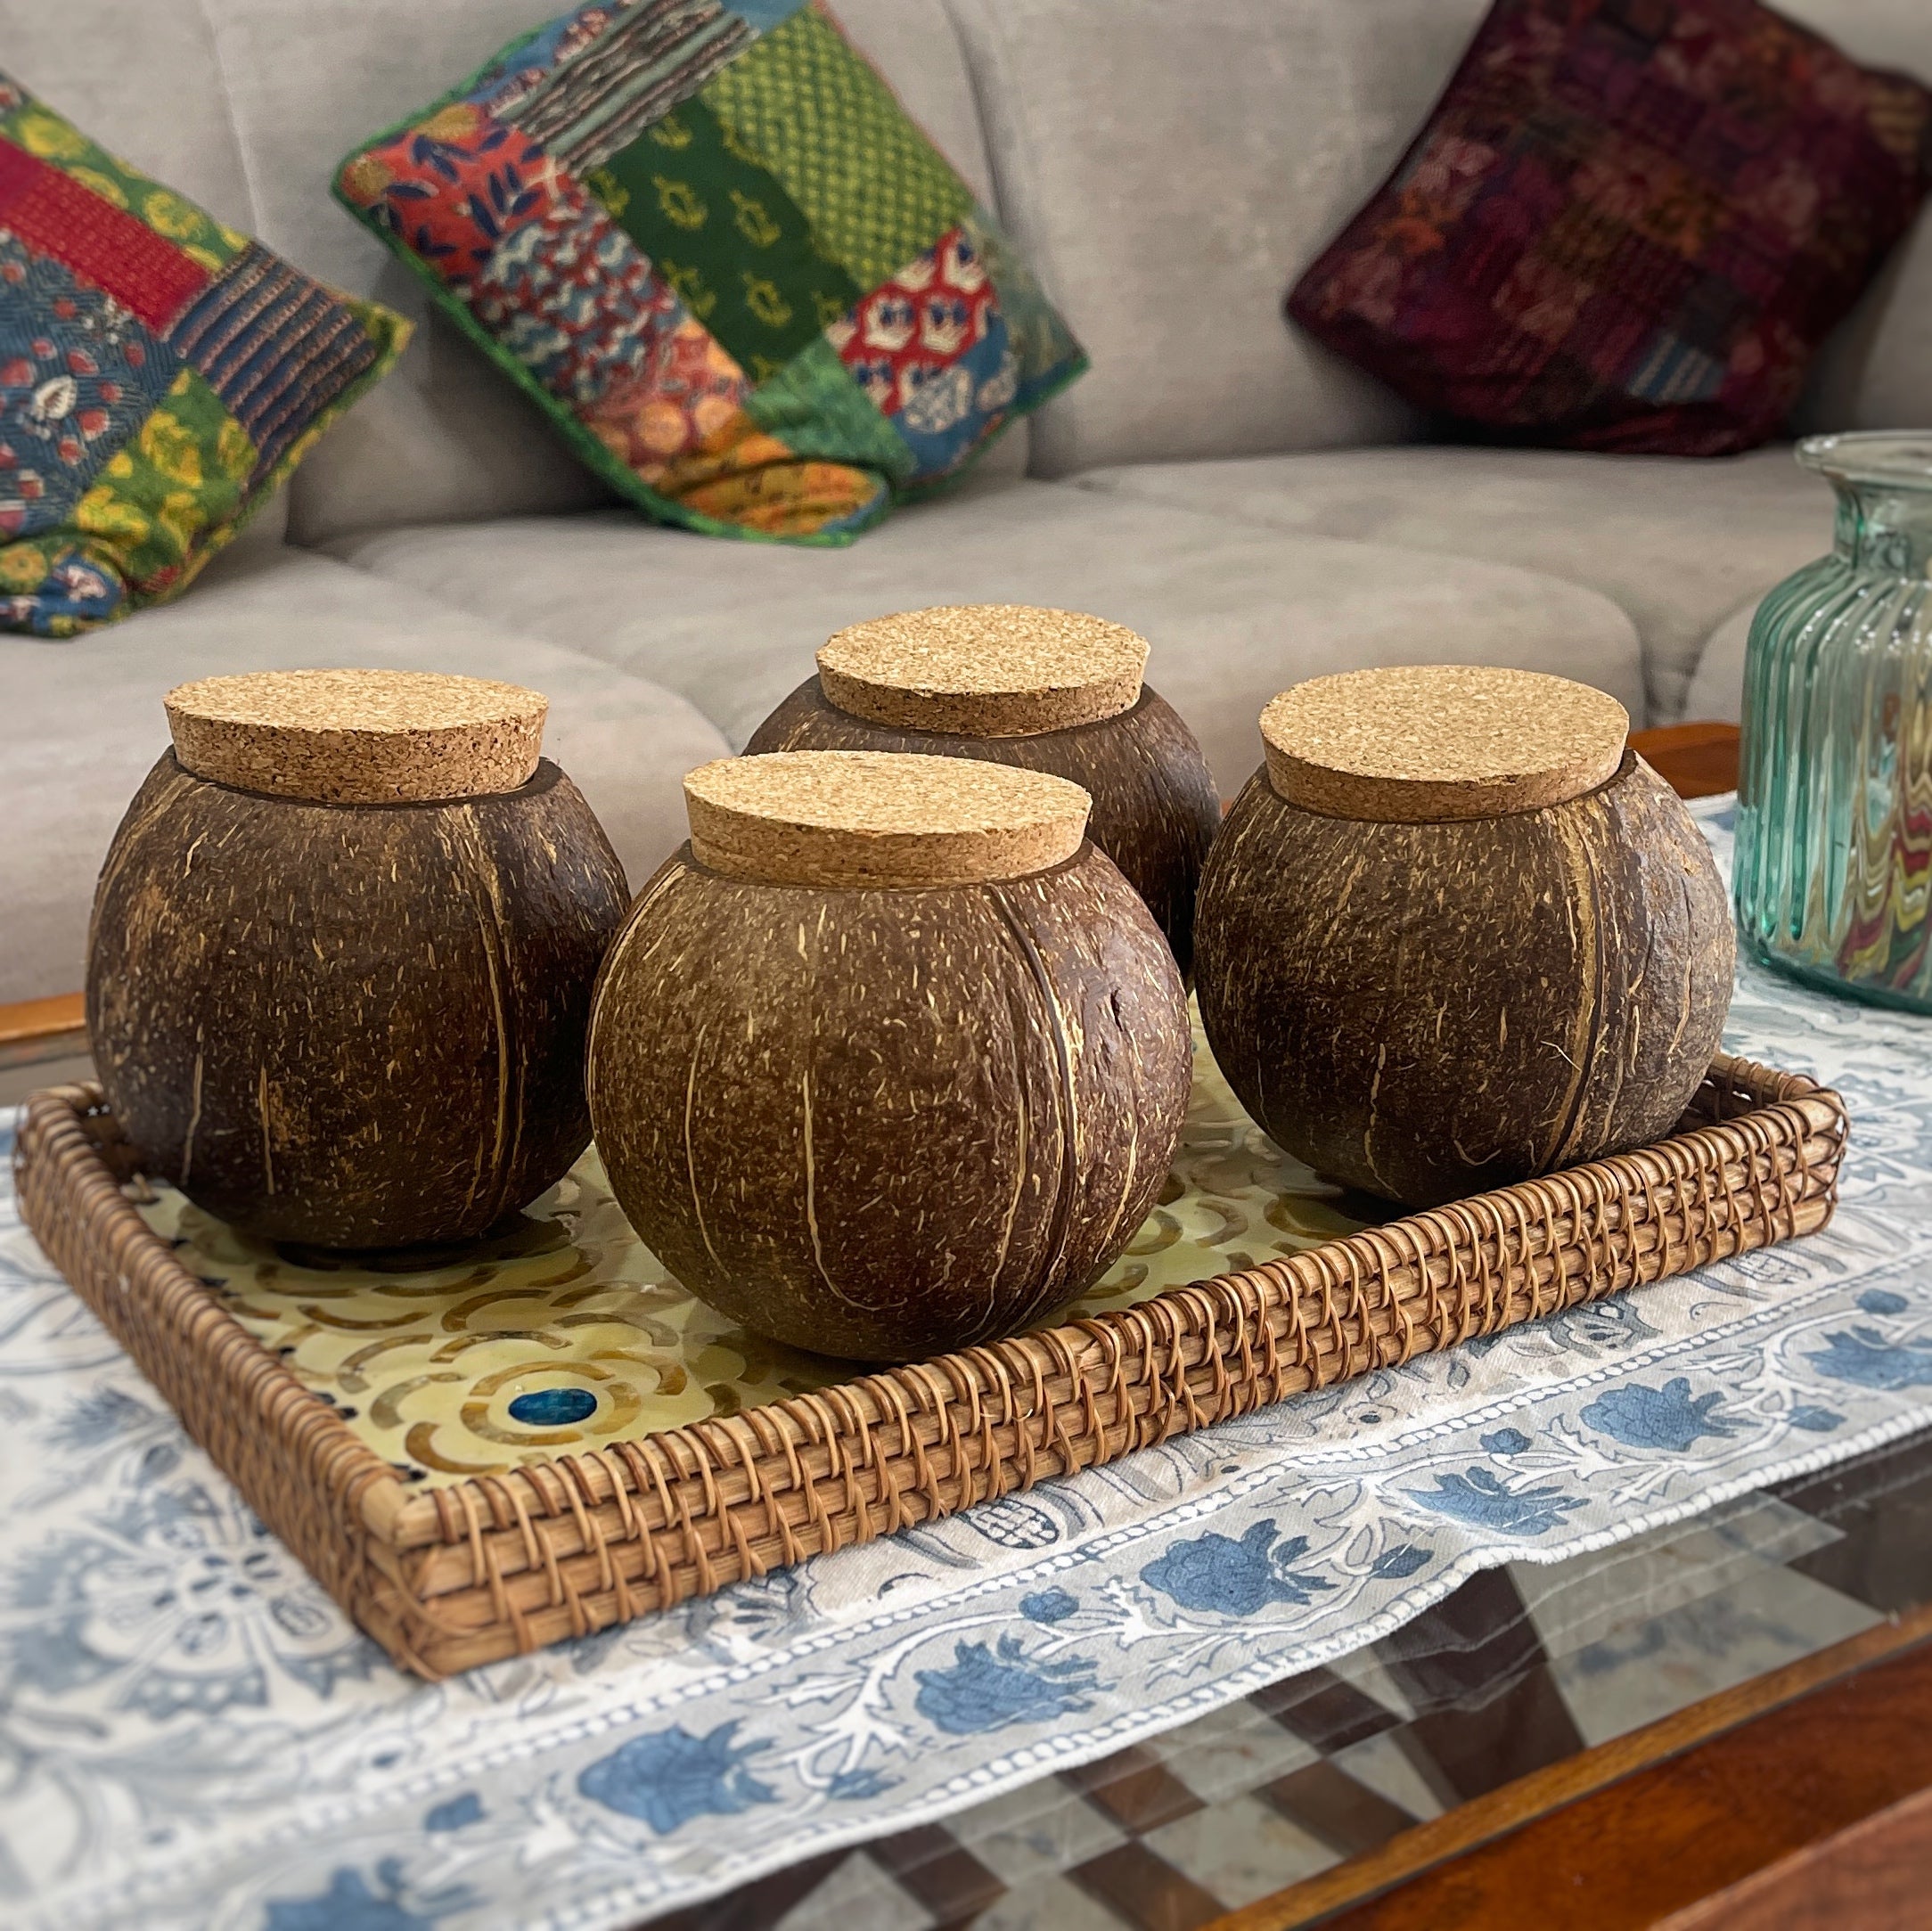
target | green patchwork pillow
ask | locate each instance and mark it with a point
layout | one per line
(705, 236)
(160, 377)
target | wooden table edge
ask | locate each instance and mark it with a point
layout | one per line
(32, 1030)
(1697, 760)
(1870, 1876)
(1484, 1820)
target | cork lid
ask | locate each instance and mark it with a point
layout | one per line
(871, 818)
(1421, 743)
(358, 737)
(986, 670)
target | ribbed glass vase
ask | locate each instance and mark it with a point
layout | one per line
(1834, 837)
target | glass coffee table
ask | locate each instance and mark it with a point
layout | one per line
(1728, 1722)
(1738, 1704)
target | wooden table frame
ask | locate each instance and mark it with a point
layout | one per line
(1807, 1788)
(37, 1029)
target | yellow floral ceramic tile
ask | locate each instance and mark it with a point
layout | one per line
(567, 1332)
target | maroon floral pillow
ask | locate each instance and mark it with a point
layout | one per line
(1627, 224)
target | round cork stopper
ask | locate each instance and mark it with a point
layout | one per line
(358, 737)
(1422, 743)
(984, 670)
(871, 818)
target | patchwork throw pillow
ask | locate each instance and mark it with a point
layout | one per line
(706, 238)
(1627, 226)
(160, 377)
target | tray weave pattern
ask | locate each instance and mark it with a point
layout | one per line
(496, 1565)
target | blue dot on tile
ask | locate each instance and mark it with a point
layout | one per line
(554, 1408)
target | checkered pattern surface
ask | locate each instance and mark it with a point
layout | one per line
(1517, 1670)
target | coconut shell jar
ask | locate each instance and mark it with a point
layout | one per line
(1454, 934)
(342, 956)
(889, 1059)
(1049, 691)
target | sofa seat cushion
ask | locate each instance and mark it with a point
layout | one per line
(1676, 542)
(1234, 612)
(85, 724)
(1717, 684)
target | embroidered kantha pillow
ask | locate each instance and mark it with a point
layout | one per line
(706, 238)
(160, 377)
(1627, 224)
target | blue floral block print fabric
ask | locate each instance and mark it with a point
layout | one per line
(198, 1739)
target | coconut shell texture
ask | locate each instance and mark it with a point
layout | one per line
(1155, 809)
(1426, 1010)
(351, 1025)
(884, 1123)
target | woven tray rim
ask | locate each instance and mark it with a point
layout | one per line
(550, 1548)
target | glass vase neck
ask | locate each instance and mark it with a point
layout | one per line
(1883, 480)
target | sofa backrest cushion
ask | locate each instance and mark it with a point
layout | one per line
(447, 437)
(144, 81)
(1876, 370)
(1874, 373)
(1169, 170)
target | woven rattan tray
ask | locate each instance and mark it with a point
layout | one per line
(448, 1570)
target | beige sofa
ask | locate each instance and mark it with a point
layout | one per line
(1258, 510)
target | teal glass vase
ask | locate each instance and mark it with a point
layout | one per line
(1833, 877)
